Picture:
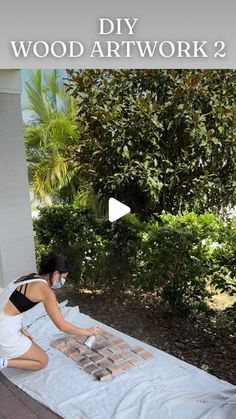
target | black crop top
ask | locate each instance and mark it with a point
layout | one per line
(20, 301)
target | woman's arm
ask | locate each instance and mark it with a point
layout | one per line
(50, 303)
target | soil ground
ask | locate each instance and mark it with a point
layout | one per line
(208, 342)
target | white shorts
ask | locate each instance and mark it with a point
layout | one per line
(12, 342)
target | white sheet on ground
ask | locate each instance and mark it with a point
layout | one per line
(161, 388)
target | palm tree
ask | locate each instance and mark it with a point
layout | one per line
(50, 135)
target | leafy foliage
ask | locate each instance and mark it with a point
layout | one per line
(75, 234)
(157, 139)
(49, 134)
(224, 276)
(120, 268)
(175, 256)
(99, 255)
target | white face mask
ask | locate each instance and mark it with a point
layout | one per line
(59, 283)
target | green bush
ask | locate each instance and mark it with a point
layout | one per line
(123, 242)
(71, 232)
(176, 258)
(224, 267)
(100, 254)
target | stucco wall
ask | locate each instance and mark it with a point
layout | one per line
(16, 237)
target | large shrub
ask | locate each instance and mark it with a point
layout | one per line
(73, 233)
(157, 139)
(224, 267)
(100, 254)
(176, 258)
(120, 268)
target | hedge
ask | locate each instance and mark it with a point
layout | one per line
(176, 256)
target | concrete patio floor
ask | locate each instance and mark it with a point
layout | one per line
(16, 404)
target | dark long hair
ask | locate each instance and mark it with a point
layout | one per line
(49, 263)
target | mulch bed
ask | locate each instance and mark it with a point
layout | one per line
(208, 342)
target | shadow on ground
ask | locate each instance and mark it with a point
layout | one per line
(206, 342)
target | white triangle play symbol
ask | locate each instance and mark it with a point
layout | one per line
(117, 209)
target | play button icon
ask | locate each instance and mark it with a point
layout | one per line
(116, 209)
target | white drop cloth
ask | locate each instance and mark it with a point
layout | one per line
(161, 388)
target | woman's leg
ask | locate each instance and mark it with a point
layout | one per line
(34, 359)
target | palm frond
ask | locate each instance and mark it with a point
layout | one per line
(37, 101)
(49, 136)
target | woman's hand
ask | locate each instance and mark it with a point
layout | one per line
(93, 331)
(26, 333)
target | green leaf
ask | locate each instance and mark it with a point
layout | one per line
(126, 151)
